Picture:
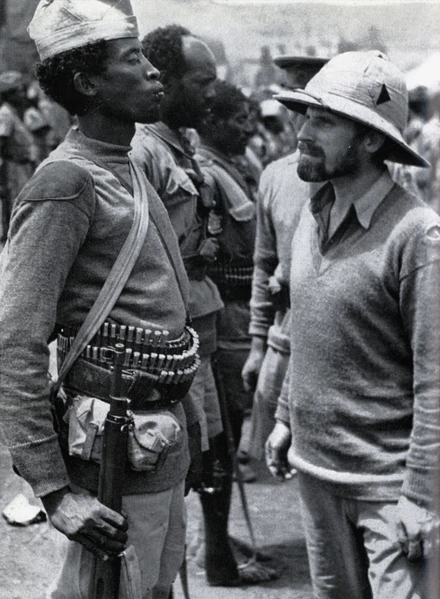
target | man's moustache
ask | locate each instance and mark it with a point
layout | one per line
(311, 150)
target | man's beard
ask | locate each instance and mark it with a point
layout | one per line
(312, 167)
(186, 113)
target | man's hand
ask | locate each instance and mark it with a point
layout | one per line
(82, 518)
(277, 446)
(417, 529)
(252, 366)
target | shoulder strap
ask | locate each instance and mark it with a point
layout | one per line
(116, 279)
(232, 170)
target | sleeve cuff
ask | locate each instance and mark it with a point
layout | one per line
(419, 486)
(41, 464)
(259, 330)
(282, 413)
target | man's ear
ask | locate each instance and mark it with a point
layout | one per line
(84, 84)
(373, 141)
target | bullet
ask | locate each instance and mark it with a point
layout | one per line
(160, 361)
(127, 357)
(146, 346)
(89, 352)
(178, 375)
(168, 361)
(136, 356)
(145, 360)
(164, 338)
(138, 339)
(122, 333)
(157, 338)
(178, 361)
(112, 339)
(130, 337)
(153, 360)
(95, 353)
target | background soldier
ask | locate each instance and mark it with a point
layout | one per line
(165, 153)
(225, 133)
(17, 148)
(282, 195)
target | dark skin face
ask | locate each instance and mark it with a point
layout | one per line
(188, 96)
(230, 135)
(128, 91)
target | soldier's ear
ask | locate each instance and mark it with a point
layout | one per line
(84, 84)
(373, 141)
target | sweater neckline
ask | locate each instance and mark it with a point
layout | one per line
(107, 151)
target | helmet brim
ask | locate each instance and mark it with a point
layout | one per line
(299, 100)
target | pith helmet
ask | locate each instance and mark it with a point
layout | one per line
(61, 25)
(298, 70)
(365, 87)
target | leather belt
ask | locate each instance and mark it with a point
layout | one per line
(157, 372)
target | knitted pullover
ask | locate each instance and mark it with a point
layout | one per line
(68, 227)
(363, 401)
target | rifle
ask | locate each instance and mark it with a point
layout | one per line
(252, 566)
(111, 474)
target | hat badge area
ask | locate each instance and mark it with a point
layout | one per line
(384, 96)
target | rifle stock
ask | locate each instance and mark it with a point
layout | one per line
(111, 475)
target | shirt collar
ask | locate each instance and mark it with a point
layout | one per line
(168, 135)
(365, 206)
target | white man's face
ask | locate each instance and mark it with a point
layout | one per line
(329, 146)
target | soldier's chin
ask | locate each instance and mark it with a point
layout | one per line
(151, 116)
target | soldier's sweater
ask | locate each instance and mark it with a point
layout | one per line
(68, 226)
(281, 197)
(364, 401)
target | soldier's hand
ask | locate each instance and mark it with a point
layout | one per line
(417, 529)
(252, 366)
(276, 448)
(82, 518)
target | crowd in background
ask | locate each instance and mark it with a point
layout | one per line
(32, 125)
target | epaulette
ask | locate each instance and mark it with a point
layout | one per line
(57, 180)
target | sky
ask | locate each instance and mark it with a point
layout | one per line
(334, 2)
(410, 30)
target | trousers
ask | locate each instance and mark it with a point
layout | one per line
(353, 549)
(204, 396)
(157, 527)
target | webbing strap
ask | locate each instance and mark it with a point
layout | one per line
(156, 220)
(117, 277)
